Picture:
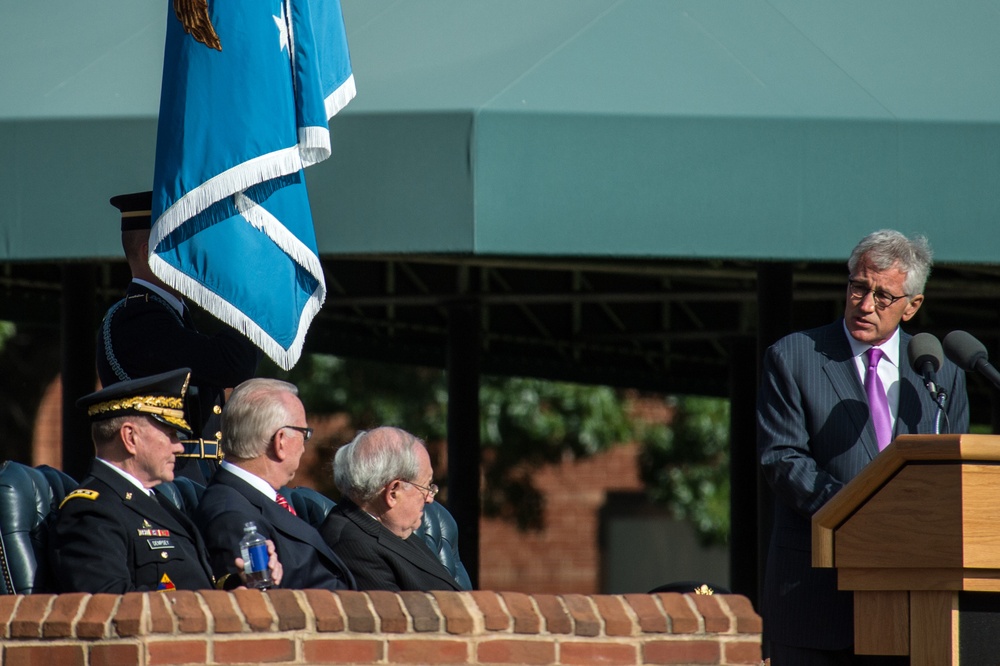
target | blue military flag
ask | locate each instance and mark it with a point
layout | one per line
(248, 90)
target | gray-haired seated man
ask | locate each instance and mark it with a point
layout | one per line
(385, 477)
(115, 533)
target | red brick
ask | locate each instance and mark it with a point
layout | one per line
(682, 618)
(741, 652)
(457, 619)
(326, 610)
(96, 616)
(287, 608)
(186, 608)
(581, 654)
(27, 622)
(422, 612)
(651, 617)
(8, 602)
(359, 616)
(326, 651)
(526, 619)
(225, 619)
(62, 616)
(43, 655)
(495, 618)
(428, 652)
(254, 608)
(128, 617)
(716, 620)
(585, 618)
(176, 652)
(244, 651)
(386, 605)
(161, 620)
(113, 654)
(747, 619)
(682, 652)
(516, 652)
(557, 619)
(617, 621)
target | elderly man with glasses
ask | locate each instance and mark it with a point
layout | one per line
(385, 478)
(831, 399)
(264, 434)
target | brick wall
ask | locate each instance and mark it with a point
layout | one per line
(319, 627)
(565, 556)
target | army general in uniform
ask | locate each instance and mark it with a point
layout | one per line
(115, 533)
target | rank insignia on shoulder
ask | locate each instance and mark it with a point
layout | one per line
(80, 492)
(166, 583)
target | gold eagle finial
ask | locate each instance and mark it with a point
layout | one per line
(193, 15)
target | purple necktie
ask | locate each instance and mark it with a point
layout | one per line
(877, 402)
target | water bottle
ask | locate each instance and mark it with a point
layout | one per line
(253, 550)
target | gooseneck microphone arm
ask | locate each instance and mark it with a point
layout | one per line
(926, 356)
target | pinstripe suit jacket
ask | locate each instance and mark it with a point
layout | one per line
(814, 434)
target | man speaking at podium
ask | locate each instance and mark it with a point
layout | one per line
(831, 399)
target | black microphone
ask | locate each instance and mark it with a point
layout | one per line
(968, 353)
(926, 355)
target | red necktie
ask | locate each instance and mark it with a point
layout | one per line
(280, 499)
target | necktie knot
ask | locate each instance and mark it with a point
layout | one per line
(282, 502)
(874, 356)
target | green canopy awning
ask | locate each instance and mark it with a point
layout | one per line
(592, 128)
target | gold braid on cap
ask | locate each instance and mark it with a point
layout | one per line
(172, 409)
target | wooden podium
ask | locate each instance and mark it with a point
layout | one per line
(914, 532)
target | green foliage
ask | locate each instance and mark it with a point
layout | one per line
(526, 424)
(686, 466)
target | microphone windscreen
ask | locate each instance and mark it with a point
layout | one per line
(964, 350)
(925, 348)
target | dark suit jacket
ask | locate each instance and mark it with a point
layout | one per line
(143, 335)
(229, 502)
(814, 434)
(124, 541)
(379, 559)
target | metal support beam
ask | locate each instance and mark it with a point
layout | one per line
(77, 326)
(743, 477)
(464, 458)
(774, 321)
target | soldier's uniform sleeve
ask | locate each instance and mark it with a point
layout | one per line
(98, 545)
(90, 547)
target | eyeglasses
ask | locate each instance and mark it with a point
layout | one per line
(307, 433)
(883, 299)
(429, 491)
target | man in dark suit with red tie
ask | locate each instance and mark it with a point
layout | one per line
(827, 406)
(151, 331)
(264, 436)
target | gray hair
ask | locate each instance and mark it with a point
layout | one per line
(887, 248)
(105, 431)
(373, 460)
(252, 415)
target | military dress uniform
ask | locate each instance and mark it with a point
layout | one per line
(112, 537)
(112, 534)
(143, 334)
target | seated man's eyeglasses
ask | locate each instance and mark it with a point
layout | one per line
(883, 299)
(307, 433)
(429, 491)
